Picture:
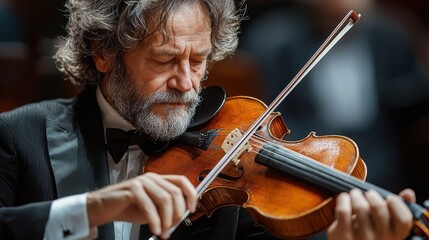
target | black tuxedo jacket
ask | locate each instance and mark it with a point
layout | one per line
(56, 148)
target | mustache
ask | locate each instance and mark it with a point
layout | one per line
(171, 96)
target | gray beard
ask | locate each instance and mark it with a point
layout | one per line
(176, 121)
(137, 109)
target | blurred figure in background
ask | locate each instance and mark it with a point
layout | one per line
(356, 90)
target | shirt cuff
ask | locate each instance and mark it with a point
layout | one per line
(68, 219)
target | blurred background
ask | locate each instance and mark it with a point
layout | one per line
(372, 86)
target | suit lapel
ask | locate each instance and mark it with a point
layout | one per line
(91, 140)
(77, 152)
(71, 173)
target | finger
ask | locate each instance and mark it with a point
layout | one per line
(408, 194)
(187, 188)
(361, 209)
(379, 213)
(178, 199)
(343, 215)
(402, 219)
(163, 202)
(146, 205)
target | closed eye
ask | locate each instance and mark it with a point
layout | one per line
(197, 62)
(164, 62)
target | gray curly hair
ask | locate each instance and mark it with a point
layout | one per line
(119, 25)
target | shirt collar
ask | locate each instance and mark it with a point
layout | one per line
(111, 118)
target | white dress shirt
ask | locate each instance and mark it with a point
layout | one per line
(68, 217)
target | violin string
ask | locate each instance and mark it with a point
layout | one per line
(258, 142)
(315, 171)
(310, 166)
(299, 163)
(305, 164)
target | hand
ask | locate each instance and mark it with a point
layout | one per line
(368, 216)
(157, 200)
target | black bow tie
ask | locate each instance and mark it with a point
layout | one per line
(118, 141)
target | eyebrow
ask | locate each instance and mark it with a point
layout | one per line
(175, 52)
(203, 52)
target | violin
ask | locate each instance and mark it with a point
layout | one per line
(298, 203)
(288, 187)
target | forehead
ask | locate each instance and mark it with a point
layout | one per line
(186, 23)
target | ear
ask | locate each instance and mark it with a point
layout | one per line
(102, 63)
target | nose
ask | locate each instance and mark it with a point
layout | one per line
(182, 79)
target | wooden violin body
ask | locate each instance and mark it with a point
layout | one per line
(287, 206)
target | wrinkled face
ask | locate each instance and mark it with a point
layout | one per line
(158, 91)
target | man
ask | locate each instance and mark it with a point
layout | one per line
(140, 65)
